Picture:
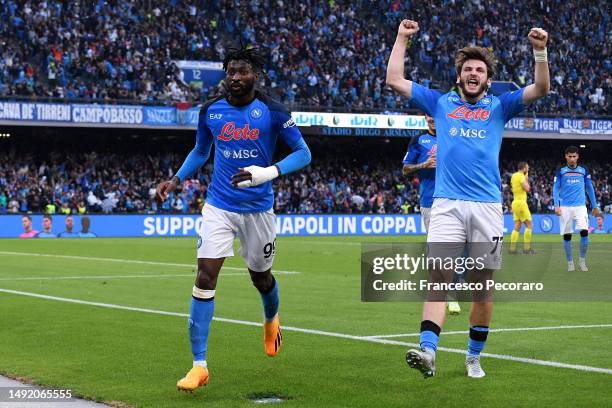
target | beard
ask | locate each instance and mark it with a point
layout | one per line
(463, 85)
(242, 91)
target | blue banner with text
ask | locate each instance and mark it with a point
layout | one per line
(14, 226)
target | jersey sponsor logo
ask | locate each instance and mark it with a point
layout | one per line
(229, 132)
(240, 154)
(468, 133)
(433, 150)
(288, 124)
(573, 174)
(256, 113)
(463, 112)
(214, 116)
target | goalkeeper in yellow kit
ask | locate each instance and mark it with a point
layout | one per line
(520, 209)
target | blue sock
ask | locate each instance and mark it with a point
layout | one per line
(430, 334)
(568, 250)
(200, 316)
(270, 302)
(584, 245)
(478, 338)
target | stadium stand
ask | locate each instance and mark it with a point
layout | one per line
(322, 54)
(348, 176)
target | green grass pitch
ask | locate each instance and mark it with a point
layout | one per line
(136, 357)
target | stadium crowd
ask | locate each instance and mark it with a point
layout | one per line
(322, 53)
(125, 183)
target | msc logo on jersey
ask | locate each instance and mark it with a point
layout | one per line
(463, 112)
(229, 132)
(240, 154)
(256, 113)
(468, 133)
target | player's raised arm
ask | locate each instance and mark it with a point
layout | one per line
(541, 85)
(196, 159)
(395, 69)
(525, 184)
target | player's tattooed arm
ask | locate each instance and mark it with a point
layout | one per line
(541, 84)
(395, 69)
(411, 168)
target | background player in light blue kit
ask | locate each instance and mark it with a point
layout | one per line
(467, 196)
(570, 205)
(244, 126)
(421, 157)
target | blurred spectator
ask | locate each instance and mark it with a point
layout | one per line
(322, 53)
(346, 176)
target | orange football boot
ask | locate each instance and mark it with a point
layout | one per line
(196, 377)
(272, 337)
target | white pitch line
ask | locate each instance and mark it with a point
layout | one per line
(509, 329)
(317, 332)
(36, 278)
(128, 261)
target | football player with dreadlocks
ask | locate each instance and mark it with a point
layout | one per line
(243, 125)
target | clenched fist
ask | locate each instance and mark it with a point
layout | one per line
(407, 28)
(538, 38)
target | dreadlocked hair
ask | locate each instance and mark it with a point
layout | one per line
(245, 53)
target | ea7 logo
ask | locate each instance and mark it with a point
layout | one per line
(214, 116)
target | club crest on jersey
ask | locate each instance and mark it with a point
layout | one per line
(463, 112)
(256, 113)
(229, 132)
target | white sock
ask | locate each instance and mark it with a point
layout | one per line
(201, 363)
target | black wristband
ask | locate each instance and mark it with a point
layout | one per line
(278, 169)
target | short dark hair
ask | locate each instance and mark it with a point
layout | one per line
(245, 53)
(477, 53)
(522, 165)
(571, 149)
(48, 217)
(27, 216)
